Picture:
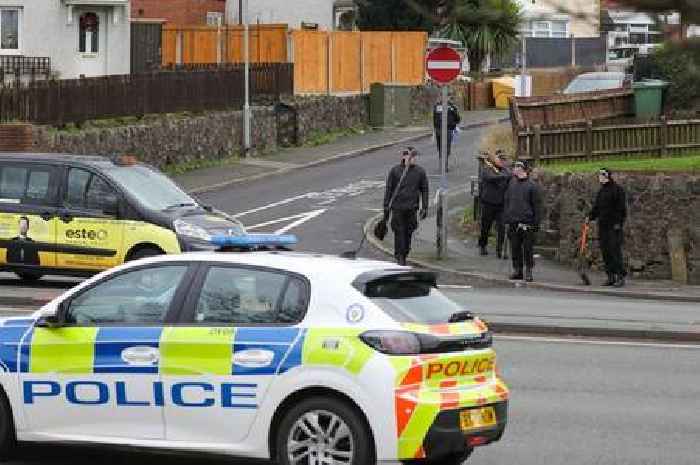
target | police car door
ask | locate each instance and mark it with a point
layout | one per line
(90, 235)
(97, 374)
(239, 333)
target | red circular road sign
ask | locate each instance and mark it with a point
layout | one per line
(444, 64)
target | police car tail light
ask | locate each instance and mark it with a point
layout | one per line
(393, 342)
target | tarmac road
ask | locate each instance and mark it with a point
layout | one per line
(573, 402)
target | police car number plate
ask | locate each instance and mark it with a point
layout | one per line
(477, 418)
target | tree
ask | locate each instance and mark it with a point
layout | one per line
(483, 26)
(392, 15)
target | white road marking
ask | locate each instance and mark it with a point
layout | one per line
(271, 205)
(598, 342)
(300, 221)
(454, 286)
(281, 220)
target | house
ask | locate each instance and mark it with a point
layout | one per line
(182, 12)
(80, 37)
(293, 13)
(561, 18)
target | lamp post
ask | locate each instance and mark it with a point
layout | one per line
(246, 71)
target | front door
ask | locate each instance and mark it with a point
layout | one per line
(98, 374)
(90, 235)
(28, 208)
(240, 335)
(92, 46)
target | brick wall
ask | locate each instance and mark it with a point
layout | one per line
(176, 11)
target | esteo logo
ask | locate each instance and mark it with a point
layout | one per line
(89, 234)
(185, 394)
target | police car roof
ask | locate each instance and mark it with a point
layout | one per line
(307, 264)
(97, 161)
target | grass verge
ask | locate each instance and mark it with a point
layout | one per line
(687, 163)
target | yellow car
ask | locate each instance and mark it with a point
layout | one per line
(79, 215)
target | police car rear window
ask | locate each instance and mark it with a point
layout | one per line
(412, 301)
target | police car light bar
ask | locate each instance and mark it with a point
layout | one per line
(248, 241)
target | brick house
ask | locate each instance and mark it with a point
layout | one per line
(179, 11)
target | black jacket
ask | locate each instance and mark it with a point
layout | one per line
(413, 188)
(494, 185)
(453, 118)
(610, 206)
(523, 203)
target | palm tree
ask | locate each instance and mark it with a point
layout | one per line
(483, 26)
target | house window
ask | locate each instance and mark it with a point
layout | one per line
(9, 29)
(559, 29)
(540, 28)
(89, 33)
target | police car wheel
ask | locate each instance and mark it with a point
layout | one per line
(28, 276)
(7, 430)
(145, 253)
(324, 431)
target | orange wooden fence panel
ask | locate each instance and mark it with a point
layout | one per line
(310, 61)
(409, 57)
(346, 58)
(206, 44)
(376, 55)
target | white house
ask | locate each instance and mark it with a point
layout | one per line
(561, 18)
(81, 37)
(291, 12)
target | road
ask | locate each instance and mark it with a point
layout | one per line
(576, 402)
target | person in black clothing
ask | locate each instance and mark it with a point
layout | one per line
(495, 177)
(21, 249)
(610, 210)
(406, 190)
(453, 119)
(522, 213)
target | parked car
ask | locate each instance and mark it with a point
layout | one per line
(592, 82)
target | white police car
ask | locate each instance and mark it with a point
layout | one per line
(305, 359)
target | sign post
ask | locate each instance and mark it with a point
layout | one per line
(444, 65)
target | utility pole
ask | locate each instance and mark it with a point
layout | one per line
(523, 65)
(246, 71)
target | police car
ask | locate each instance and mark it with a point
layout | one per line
(79, 215)
(305, 359)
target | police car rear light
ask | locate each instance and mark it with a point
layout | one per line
(252, 241)
(407, 343)
(393, 342)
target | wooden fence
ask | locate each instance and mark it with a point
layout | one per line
(527, 112)
(349, 62)
(183, 45)
(661, 138)
(77, 100)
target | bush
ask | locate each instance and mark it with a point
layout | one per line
(678, 64)
(499, 137)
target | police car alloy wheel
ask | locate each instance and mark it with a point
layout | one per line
(324, 431)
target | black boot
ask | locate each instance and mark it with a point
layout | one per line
(528, 275)
(499, 253)
(517, 275)
(620, 281)
(483, 252)
(611, 280)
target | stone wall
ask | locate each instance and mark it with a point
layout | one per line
(163, 140)
(657, 204)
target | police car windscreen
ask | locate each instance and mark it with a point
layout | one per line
(153, 189)
(412, 301)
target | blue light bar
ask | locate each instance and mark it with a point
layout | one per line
(255, 240)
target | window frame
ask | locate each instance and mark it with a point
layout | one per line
(173, 314)
(100, 25)
(189, 307)
(20, 20)
(53, 193)
(83, 210)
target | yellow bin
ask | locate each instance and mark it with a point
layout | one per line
(503, 89)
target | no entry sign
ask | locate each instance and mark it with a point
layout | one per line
(444, 64)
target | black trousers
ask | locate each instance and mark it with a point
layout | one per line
(490, 214)
(522, 243)
(403, 223)
(438, 139)
(611, 247)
